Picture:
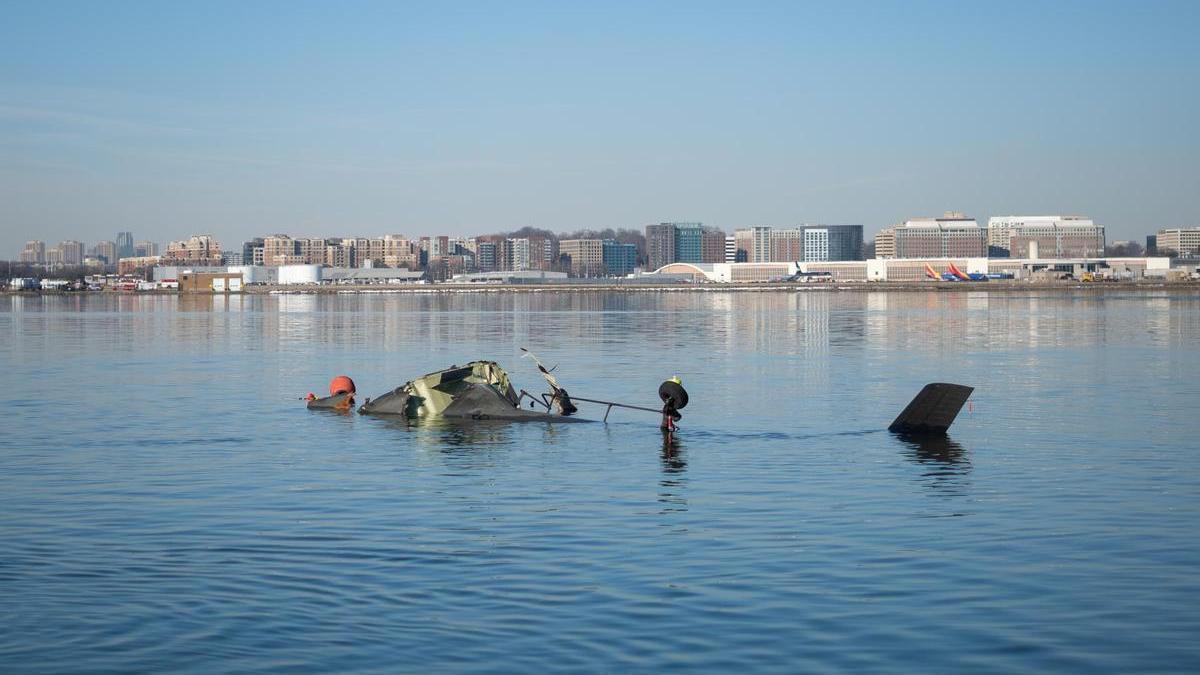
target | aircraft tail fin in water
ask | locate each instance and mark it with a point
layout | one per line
(933, 410)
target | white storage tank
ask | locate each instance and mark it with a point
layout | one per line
(300, 274)
(251, 274)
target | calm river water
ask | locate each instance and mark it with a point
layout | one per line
(166, 502)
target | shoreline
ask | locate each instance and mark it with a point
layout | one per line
(843, 287)
(823, 287)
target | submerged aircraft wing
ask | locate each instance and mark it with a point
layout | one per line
(933, 410)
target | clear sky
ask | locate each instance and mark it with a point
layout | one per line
(244, 118)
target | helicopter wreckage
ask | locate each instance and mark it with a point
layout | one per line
(482, 390)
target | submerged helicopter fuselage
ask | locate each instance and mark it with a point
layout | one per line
(478, 390)
(481, 390)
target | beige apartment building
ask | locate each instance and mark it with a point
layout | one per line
(201, 250)
(587, 256)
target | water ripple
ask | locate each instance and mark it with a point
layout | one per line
(191, 515)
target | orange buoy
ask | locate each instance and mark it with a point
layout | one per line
(341, 385)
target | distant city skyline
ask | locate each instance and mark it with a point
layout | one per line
(374, 118)
(995, 232)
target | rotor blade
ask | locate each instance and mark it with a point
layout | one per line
(550, 379)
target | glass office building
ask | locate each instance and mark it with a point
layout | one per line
(619, 259)
(689, 242)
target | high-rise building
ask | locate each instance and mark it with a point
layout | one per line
(514, 254)
(54, 256)
(487, 260)
(683, 242)
(278, 249)
(248, 251)
(1056, 236)
(689, 242)
(398, 251)
(619, 259)
(200, 250)
(281, 249)
(106, 251)
(779, 245)
(145, 249)
(1184, 241)
(731, 248)
(72, 252)
(467, 244)
(1151, 244)
(464, 257)
(760, 244)
(816, 244)
(124, 245)
(951, 236)
(543, 253)
(586, 256)
(803, 243)
(34, 252)
(712, 245)
(660, 245)
(885, 243)
(311, 250)
(744, 243)
(339, 253)
(368, 252)
(999, 235)
(845, 242)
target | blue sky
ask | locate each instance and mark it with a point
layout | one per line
(368, 118)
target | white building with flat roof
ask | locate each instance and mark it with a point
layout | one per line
(1000, 231)
(930, 269)
(1182, 240)
(953, 235)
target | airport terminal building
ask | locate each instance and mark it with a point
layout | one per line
(917, 269)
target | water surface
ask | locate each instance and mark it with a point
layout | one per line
(166, 502)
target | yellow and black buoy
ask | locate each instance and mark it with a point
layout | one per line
(674, 398)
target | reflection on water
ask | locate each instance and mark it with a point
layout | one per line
(165, 498)
(442, 434)
(802, 323)
(672, 454)
(946, 463)
(673, 483)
